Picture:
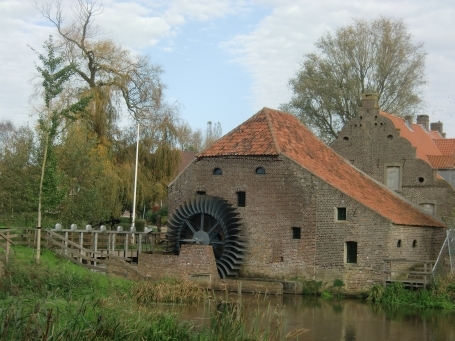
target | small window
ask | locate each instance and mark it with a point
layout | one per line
(217, 171)
(351, 252)
(260, 170)
(241, 199)
(399, 243)
(346, 138)
(200, 192)
(428, 208)
(390, 137)
(393, 177)
(341, 213)
(421, 179)
(296, 232)
(414, 243)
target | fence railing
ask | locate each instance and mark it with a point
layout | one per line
(412, 273)
(99, 250)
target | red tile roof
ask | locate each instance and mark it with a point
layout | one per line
(446, 146)
(442, 161)
(253, 137)
(418, 137)
(272, 132)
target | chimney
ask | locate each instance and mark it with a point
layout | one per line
(437, 126)
(408, 120)
(423, 120)
(370, 100)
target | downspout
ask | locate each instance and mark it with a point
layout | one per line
(315, 237)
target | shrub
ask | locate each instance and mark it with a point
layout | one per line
(311, 287)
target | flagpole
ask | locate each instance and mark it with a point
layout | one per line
(135, 181)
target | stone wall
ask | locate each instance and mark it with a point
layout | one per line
(193, 261)
(371, 143)
(288, 196)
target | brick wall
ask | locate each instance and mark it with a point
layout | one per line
(289, 196)
(371, 142)
(193, 260)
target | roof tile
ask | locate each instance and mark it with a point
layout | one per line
(271, 132)
(446, 146)
(417, 135)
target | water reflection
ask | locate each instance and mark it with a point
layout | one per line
(345, 320)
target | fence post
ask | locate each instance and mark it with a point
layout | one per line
(114, 237)
(7, 247)
(95, 247)
(81, 242)
(66, 243)
(125, 251)
(139, 246)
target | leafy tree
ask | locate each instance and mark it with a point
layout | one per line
(19, 173)
(54, 74)
(367, 56)
(89, 178)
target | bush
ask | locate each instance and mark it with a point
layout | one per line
(139, 224)
(311, 287)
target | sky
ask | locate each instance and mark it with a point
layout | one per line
(224, 60)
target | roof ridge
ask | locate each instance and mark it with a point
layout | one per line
(272, 131)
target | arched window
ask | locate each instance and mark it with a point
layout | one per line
(399, 243)
(414, 243)
(260, 170)
(217, 171)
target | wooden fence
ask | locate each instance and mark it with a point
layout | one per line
(111, 252)
(412, 273)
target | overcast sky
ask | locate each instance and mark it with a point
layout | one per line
(226, 59)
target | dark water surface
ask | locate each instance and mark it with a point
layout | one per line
(344, 320)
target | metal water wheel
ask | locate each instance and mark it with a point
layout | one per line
(209, 220)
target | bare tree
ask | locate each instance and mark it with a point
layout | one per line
(111, 75)
(366, 56)
(212, 133)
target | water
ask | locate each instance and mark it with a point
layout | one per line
(345, 320)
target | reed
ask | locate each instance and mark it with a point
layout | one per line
(168, 291)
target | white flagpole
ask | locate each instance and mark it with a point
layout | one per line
(135, 180)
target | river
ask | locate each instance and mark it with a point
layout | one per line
(318, 319)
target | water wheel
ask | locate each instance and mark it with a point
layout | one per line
(209, 220)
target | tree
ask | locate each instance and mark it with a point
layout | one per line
(116, 81)
(367, 56)
(212, 133)
(19, 174)
(187, 139)
(115, 78)
(54, 75)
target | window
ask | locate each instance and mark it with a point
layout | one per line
(399, 243)
(393, 177)
(260, 170)
(414, 243)
(341, 213)
(296, 232)
(200, 192)
(217, 171)
(351, 252)
(241, 199)
(428, 208)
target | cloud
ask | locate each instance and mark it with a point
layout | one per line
(272, 51)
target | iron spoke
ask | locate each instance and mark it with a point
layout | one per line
(213, 227)
(202, 222)
(190, 226)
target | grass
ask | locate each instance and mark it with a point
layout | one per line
(440, 295)
(58, 300)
